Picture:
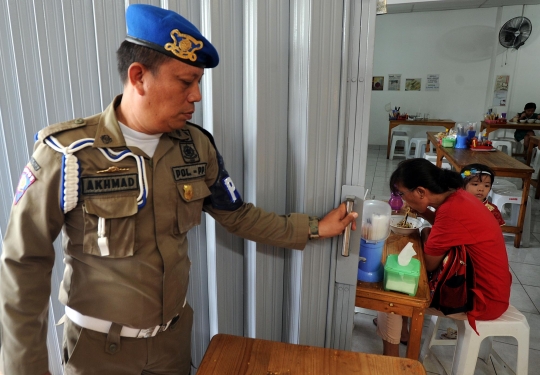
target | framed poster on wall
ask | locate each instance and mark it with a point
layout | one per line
(377, 83)
(394, 82)
(413, 84)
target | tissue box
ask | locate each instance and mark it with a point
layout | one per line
(401, 278)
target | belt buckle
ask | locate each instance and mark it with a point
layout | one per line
(149, 332)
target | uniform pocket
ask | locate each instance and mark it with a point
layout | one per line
(117, 216)
(190, 204)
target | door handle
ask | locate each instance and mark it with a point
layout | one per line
(349, 203)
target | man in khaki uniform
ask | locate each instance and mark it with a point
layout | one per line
(124, 187)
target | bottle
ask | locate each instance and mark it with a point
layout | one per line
(395, 202)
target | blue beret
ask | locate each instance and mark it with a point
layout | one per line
(169, 33)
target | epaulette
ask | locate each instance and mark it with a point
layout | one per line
(59, 127)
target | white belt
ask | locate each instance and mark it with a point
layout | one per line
(104, 326)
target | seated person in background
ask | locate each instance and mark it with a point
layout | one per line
(423, 185)
(524, 134)
(478, 180)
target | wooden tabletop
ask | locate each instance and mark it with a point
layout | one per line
(373, 296)
(235, 355)
(429, 122)
(502, 164)
(448, 124)
(509, 125)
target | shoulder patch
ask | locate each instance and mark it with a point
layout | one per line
(27, 179)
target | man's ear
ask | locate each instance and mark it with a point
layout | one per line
(136, 76)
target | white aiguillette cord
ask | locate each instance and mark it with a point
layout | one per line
(70, 179)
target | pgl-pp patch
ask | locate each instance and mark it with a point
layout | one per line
(27, 179)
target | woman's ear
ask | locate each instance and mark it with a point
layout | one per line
(136, 76)
(421, 192)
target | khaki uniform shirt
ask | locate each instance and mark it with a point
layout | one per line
(143, 280)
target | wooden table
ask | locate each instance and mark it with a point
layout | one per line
(509, 125)
(503, 166)
(533, 142)
(234, 355)
(373, 296)
(448, 124)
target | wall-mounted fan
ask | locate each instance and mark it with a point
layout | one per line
(515, 32)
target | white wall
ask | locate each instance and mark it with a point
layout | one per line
(458, 45)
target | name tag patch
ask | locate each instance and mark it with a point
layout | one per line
(109, 183)
(188, 172)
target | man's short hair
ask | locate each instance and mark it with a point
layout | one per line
(128, 53)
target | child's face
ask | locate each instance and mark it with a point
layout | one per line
(479, 187)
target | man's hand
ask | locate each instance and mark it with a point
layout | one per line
(335, 222)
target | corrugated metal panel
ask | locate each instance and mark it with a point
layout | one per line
(272, 105)
(266, 52)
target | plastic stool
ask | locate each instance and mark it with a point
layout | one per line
(433, 159)
(419, 146)
(396, 137)
(469, 345)
(505, 146)
(509, 195)
(500, 183)
(511, 323)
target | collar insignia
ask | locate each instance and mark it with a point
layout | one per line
(184, 46)
(106, 139)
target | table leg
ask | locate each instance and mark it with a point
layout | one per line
(522, 209)
(390, 127)
(415, 334)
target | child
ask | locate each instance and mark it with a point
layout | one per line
(478, 180)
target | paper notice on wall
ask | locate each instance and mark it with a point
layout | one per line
(394, 82)
(432, 82)
(501, 91)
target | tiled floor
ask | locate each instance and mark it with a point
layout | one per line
(525, 295)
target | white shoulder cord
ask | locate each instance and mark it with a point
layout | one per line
(69, 189)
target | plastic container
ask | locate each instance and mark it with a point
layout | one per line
(375, 229)
(375, 220)
(370, 267)
(448, 142)
(395, 202)
(461, 141)
(402, 279)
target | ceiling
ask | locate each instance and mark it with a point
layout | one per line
(408, 6)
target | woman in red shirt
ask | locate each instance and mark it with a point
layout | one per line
(459, 219)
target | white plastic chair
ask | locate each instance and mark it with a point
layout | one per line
(507, 194)
(399, 136)
(504, 146)
(470, 346)
(433, 159)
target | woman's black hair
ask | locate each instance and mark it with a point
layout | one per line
(476, 170)
(129, 52)
(413, 173)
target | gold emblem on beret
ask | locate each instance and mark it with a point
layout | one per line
(184, 46)
(188, 192)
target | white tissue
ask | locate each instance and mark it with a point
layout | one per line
(405, 255)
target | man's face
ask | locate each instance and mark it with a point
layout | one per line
(170, 96)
